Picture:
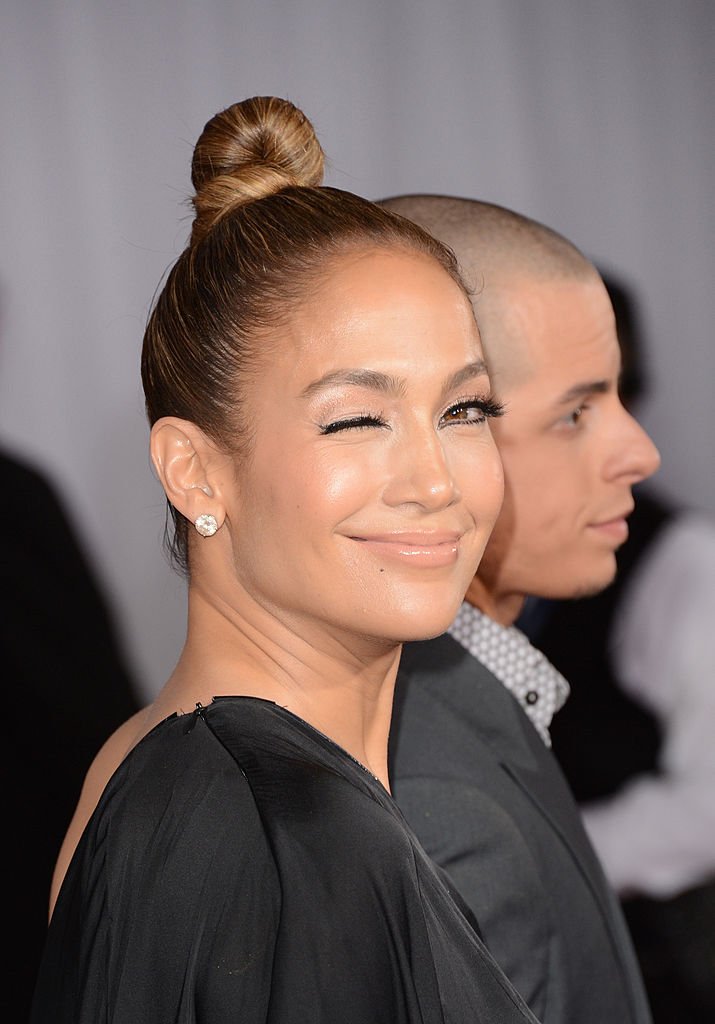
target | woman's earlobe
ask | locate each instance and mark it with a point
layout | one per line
(183, 458)
(206, 525)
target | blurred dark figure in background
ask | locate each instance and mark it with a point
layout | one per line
(635, 738)
(67, 688)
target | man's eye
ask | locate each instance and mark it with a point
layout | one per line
(573, 418)
(352, 423)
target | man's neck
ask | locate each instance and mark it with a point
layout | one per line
(503, 608)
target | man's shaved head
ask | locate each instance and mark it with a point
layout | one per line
(495, 248)
(486, 236)
(571, 453)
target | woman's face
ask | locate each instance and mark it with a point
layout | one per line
(373, 482)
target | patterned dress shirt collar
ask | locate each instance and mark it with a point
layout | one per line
(506, 652)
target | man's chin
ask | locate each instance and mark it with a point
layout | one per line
(580, 585)
(593, 586)
(590, 590)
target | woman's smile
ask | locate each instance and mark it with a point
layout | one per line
(425, 550)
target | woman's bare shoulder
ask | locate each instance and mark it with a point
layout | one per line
(104, 765)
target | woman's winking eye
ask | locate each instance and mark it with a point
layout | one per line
(359, 422)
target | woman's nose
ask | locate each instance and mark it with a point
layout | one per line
(421, 473)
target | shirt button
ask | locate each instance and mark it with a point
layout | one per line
(532, 697)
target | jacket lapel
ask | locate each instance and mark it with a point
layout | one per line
(497, 718)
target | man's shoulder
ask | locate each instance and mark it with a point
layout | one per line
(443, 668)
(442, 673)
(489, 804)
(452, 715)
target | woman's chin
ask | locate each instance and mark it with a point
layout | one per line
(425, 624)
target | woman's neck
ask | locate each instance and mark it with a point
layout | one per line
(341, 685)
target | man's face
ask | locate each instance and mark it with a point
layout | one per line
(571, 453)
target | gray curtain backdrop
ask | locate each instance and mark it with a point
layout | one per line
(595, 116)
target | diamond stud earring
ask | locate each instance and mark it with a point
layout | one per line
(206, 525)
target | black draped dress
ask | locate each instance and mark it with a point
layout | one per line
(242, 867)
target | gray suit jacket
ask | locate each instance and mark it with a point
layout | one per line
(490, 805)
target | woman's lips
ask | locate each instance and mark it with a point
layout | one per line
(423, 549)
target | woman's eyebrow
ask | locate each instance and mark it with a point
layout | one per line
(386, 383)
(468, 373)
(373, 379)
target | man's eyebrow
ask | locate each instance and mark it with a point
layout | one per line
(386, 383)
(593, 387)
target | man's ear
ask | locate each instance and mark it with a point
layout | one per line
(187, 463)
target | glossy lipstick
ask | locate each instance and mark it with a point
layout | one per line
(419, 549)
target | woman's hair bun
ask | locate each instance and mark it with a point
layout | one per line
(248, 151)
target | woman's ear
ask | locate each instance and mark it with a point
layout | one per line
(187, 462)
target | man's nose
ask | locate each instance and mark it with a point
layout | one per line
(635, 456)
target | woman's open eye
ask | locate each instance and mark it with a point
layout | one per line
(473, 410)
(361, 422)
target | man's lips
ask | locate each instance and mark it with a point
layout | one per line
(427, 549)
(614, 526)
